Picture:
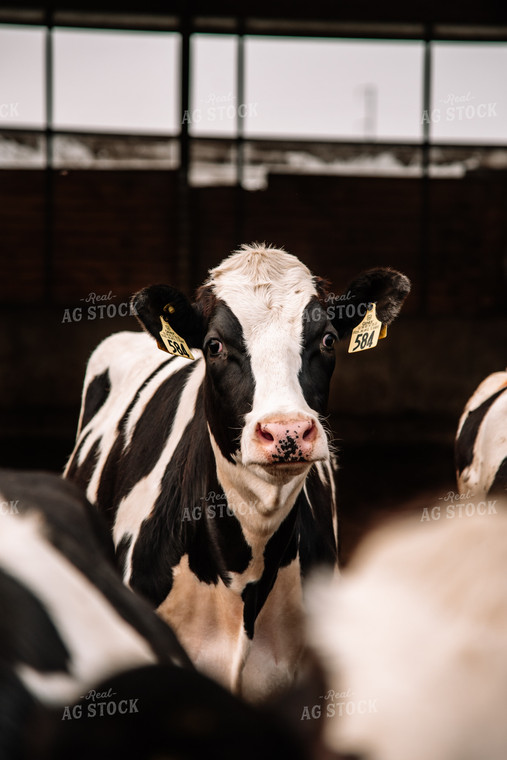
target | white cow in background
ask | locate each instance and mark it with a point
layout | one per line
(481, 440)
(413, 639)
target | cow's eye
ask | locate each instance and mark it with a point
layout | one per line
(215, 347)
(328, 340)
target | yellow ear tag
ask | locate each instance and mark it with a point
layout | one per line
(367, 333)
(172, 341)
(383, 332)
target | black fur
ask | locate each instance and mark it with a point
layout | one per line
(180, 714)
(124, 468)
(81, 474)
(165, 301)
(77, 531)
(464, 447)
(280, 550)
(215, 544)
(27, 634)
(499, 485)
(318, 362)
(96, 395)
(229, 384)
(386, 287)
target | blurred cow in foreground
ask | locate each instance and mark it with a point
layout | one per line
(170, 714)
(414, 642)
(87, 669)
(67, 620)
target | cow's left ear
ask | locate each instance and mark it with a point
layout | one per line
(385, 287)
(163, 301)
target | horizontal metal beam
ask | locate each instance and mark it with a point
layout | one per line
(333, 24)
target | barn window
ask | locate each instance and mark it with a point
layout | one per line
(116, 81)
(21, 76)
(468, 86)
(213, 85)
(333, 89)
(22, 108)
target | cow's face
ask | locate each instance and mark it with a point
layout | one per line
(260, 349)
(268, 343)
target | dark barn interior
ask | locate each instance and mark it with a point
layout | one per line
(70, 232)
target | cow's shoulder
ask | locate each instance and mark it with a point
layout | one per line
(121, 353)
(491, 386)
(480, 440)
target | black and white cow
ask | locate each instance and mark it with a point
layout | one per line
(216, 474)
(66, 619)
(481, 440)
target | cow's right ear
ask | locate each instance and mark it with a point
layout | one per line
(156, 301)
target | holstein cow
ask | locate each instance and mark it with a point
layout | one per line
(413, 638)
(67, 620)
(215, 473)
(481, 440)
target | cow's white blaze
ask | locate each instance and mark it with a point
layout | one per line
(268, 293)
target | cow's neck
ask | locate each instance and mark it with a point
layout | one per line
(260, 504)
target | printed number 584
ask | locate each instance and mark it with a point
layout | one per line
(363, 340)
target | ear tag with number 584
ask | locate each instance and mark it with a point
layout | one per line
(173, 342)
(368, 332)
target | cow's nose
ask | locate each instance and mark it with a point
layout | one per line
(287, 440)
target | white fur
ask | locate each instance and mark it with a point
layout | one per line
(418, 625)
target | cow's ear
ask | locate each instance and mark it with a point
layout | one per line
(385, 287)
(156, 301)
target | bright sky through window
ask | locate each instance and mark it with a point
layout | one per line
(116, 81)
(22, 77)
(213, 85)
(307, 88)
(469, 88)
(334, 89)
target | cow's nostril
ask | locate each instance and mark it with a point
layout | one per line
(266, 434)
(309, 431)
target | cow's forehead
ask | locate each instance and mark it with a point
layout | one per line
(264, 287)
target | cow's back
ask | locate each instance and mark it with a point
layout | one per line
(120, 362)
